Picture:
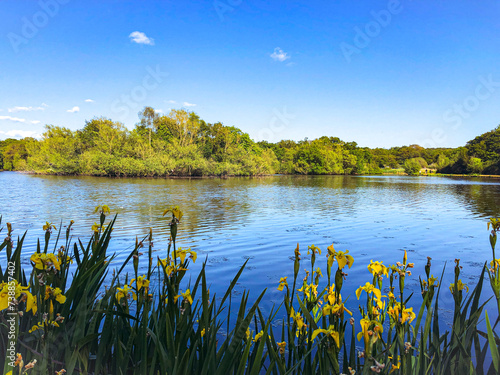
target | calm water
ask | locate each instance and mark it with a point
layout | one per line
(263, 219)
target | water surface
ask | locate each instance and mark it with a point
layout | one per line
(263, 219)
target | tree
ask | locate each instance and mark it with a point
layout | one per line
(412, 167)
(149, 120)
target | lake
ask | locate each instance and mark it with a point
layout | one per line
(262, 219)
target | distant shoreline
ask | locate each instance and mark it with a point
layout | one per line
(173, 177)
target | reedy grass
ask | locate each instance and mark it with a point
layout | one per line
(157, 323)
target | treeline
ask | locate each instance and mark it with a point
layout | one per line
(182, 144)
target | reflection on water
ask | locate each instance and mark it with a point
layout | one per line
(263, 219)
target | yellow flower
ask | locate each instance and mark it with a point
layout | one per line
(55, 294)
(43, 261)
(495, 264)
(395, 367)
(258, 336)
(495, 223)
(369, 288)
(141, 282)
(297, 318)
(338, 308)
(123, 293)
(370, 334)
(48, 226)
(175, 211)
(433, 281)
(344, 259)
(19, 360)
(202, 332)
(314, 249)
(95, 227)
(103, 209)
(330, 331)
(460, 286)
(6, 294)
(31, 303)
(318, 272)
(365, 325)
(407, 315)
(42, 325)
(405, 258)
(62, 258)
(377, 268)
(248, 332)
(335, 305)
(186, 296)
(181, 253)
(282, 283)
(281, 346)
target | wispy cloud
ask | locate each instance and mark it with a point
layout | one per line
(171, 101)
(17, 119)
(74, 109)
(187, 104)
(141, 38)
(20, 134)
(279, 55)
(26, 109)
(89, 101)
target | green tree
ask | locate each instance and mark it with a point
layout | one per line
(412, 167)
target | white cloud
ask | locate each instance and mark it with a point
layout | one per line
(26, 109)
(15, 119)
(20, 134)
(159, 111)
(187, 104)
(89, 101)
(141, 38)
(74, 109)
(171, 101)
(279, 55)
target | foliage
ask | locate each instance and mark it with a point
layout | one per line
(97, 323)
(180, 143)
(412, 166)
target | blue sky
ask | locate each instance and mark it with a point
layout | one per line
(381, 73)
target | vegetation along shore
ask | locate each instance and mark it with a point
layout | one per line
(68, 312)
(182, 144)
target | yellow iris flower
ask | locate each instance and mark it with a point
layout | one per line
(282, 283)
(176, 211)
(55, 293)
(343, 259)
(281, 346)
(495, 264)
(181, 253)
(258, 336)
(369, 288)
(103, 209)
(48, 226)
(297, 318)
(377, 268)
(330, 331)
(186, 296)
(314, 249)
(41, 261)
(460, 286)
(123, 293)
(141, 282)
